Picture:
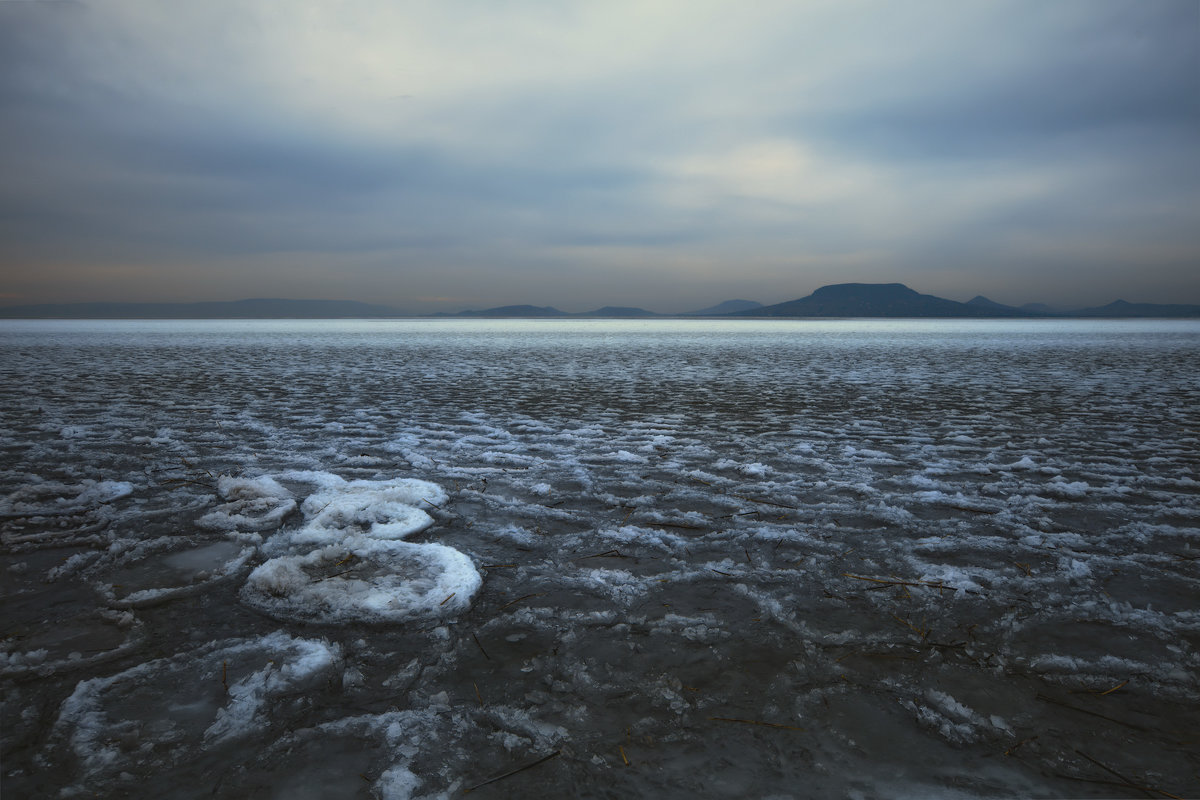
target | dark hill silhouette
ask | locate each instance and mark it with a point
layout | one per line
(1120, 308)
(513, 311)
(727, 307)
(876, 300)
(619, 311)
(983, 302)
(256, 308)
(838, 300)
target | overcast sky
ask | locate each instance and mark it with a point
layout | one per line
(448, 155)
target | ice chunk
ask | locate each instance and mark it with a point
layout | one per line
(49, 498)
(253, 504)
(381, 509)
(397, 783)
(364, 579)
(142, 718)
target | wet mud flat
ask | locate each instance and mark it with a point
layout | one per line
(600, 559)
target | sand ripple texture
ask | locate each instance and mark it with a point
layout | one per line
(643, 559)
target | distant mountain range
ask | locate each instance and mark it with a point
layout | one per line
(257, 308)
(838, 300)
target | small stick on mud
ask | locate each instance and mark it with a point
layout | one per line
(1099, 693)
(343, 572)
(510, 773)
(1047, 699)
(605, 554)
(739, 514)
(447, 600)
(519, 599)
(623, 758)
(894, 582)
(1150, 791)
(477, 694)
(1012, 749)
(480, 646)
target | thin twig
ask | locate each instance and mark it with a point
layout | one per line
(1047, 699)
(480, 646)
(519, 599)
(900, 583)
(605, 554)
(510, 773)
(1149, 790)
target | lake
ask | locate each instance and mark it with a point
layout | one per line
(664, 558)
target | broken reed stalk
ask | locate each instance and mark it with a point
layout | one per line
(1099, 693)
(1012, 749)
(1047, 699)
(605, 554)
(1148, 790)
(343, 572)
(208, 486)
(480, 646)
(894, 582)
(519, 599)
(510, 773)
(758, 722)
(623, 758)
(764, 502)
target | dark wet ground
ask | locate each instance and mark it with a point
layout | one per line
(765, 560)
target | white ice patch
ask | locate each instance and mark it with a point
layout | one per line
(138, 719)
(50, 498)
(380, 509)
(252, 504)
(1026, 463)
(1075, 490)
(397, 783)
(348, 564)
(366, 580)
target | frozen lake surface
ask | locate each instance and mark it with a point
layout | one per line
(397, 559)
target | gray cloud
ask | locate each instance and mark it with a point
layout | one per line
(616, 154)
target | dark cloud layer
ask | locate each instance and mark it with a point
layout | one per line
(667, 156)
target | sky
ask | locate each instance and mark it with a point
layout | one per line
(460, 154)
